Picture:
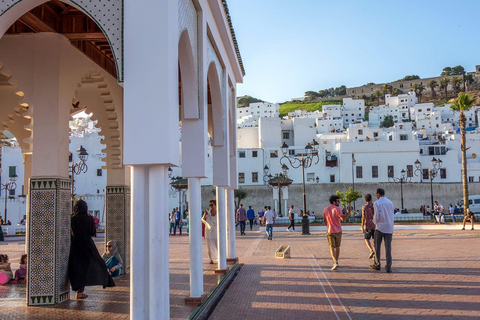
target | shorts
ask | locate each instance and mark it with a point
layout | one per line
(334, 239)
(369, 234)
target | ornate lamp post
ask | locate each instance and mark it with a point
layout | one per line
(266, 175)
(7, 186)
(404, 177)
(304, 160)
(431, 173)
(179, 184)
(353, 176)
(77, 168)
(280, 182)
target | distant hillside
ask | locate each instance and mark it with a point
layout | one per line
(246, 100)
(292, 106)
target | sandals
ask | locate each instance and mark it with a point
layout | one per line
(80, 296)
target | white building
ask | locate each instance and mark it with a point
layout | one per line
(248, 116)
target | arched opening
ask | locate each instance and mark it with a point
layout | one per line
(215, 109)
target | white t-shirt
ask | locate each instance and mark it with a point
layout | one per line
(269, 217)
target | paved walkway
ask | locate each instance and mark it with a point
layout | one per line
(436, 275)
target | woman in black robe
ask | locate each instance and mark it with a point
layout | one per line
(85, 265)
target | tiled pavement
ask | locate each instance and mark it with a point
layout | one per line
(436, 275)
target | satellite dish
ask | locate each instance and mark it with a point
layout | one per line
(329, 158)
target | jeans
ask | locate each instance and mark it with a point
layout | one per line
(172, 227)
(178, 223)
(379, 236)
(251, 223)
(269, 230)
(242, 227)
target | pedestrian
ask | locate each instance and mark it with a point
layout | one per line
(368, 227)
(452, 213)
(428, 212)
(439, 218)
(113, 259)
(241, 219)
(209, 219)
(333, 215)
(269, 221)
(469, 216)
(172, 222)
(85, 265)
(291, 216)
(250, 216)
(178, 222)
(383, 219)
(261, 214)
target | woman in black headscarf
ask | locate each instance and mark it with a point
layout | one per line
(85, 266)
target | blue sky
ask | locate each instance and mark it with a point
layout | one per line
(292, 46)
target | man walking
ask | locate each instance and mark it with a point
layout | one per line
(269, 219)
(368, 227)
(250, 216)
(241, 218)
(383, 219)
(291, 216)
(178, 221)
(333, 215)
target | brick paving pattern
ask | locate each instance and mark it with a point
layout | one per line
(435, 276)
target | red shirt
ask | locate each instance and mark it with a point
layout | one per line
(331, 216)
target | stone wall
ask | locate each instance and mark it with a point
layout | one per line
(415, 194)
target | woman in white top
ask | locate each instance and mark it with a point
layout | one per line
(210, 221)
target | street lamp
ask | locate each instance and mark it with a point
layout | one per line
(353, 176)
(304, 160)
(77, 168)
(431, 173)
(280, 182)
(179, 184)
(404, 177)
(9, 185)
(266, 171)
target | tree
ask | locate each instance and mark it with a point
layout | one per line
(432, 85)
(239, 195)
(387, 121)
(446, 72)
(377, 94)
(444, 85)
(387, 89)
(464, 102)
(458, 70)
(310, 95)
(351, 195)
(246, 100)
(456, 82)
(418, 88)
(396, 91)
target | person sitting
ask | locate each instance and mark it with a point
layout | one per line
(21, 274)
(112, 259)
(5, 267)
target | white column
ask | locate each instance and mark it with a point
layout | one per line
(230, 202)
(195, 234)
(276, 205)
(139, 275)
(221, 228)
(285, 208)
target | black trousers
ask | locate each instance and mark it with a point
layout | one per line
(379, 237)
(251, 223)
(292, 225)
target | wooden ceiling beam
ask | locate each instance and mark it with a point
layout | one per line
(35, 23)
(60, 4)
(90, 36)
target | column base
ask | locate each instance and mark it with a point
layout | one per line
(220, 271)
(192, 300)
(232, 260)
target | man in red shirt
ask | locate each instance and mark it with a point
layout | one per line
(333, 215)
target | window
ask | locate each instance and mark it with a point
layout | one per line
(425, 173)
(403, 137)
(443, 173)
(310, 176)
(241, 177)
(332, 178)
(435, 151)
(286, 135)
(360, 131)
(241, 154)
(99, 172)
(254, 176)
(274, 154)
(470, 179)
(12, 171)
(359, 172)
(291, 152)
(375, 134)
(254, 154)
(374, 171)
(11, 192)
(409, 170)
(391, 171)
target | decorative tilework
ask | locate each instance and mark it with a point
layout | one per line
(108, 15)
(48, 241)
(187, 20)
(118, 221)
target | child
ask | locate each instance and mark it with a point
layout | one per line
(5, 266)
(20, 274)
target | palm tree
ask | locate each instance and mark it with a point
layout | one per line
(418, 88)
(396, 91)
(377, 94)
(456, 84)
(464, 102)
(444, 85)
(386, 89)
(432, 85)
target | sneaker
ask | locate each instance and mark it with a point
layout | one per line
(372, 254)
(473, 229)
(335, 266)
(288, 230)
(374, 267)
(463, 228)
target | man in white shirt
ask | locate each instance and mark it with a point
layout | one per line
(383, 219)
(269, 219)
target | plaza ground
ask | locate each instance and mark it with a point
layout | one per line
(436, 275)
